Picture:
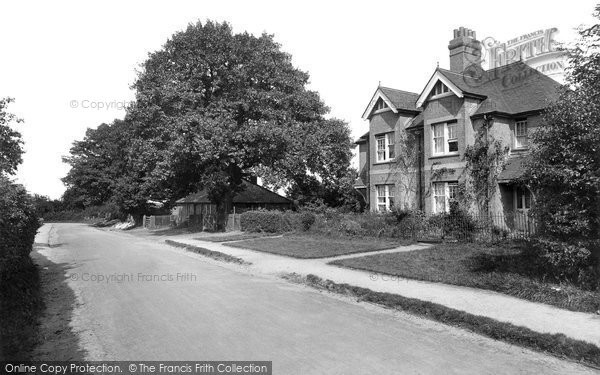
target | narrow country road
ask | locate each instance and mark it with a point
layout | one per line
(133, 298)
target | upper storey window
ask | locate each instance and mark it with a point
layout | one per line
(521, 137)
(439, 89)
(385, 147)
(444, 138)
(380, 105)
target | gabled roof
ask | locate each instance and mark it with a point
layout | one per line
(438, 76)
(397, 100)
(510, 89)
(252, 193)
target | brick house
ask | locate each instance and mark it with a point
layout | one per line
(413, 155)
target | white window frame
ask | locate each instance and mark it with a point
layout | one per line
(445, 139)
(452, 138)
(446, 191)
(521, 134)
(523, 195)
(385, 197)
(384, 144)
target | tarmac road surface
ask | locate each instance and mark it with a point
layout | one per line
(114, 296)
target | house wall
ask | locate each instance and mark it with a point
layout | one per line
(387, 173)
(413, 191)
(441, 110)
(502, 201)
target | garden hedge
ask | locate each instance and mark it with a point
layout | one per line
(18, 227)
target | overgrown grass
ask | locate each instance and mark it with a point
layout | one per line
(556, 344)
(217, 255)
(316, 246)
(21, 305)
(501, 269)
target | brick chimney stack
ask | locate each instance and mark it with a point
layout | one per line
(465, 50)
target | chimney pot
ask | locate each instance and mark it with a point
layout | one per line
(465, 49)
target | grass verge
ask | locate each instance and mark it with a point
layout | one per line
(500, 269)
(311, 246)
(21, 305)
(234, 237)
(208, 253)
(558, 345)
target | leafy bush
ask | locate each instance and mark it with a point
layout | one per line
(18, 226)
(350, 227)
(456, 224)
(565, 261)
(307, 219)
(374, 224)
(262, 221)
(411, 222)
(459, 224)
(108, 211)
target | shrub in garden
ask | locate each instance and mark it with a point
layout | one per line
(411, 222)
(376, 224)
(564, 261)
(307, 219)
(262, 221)
(350, 227)
(458, 223)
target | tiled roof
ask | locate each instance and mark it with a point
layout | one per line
(363, 138)
(252, 193)
(401, 99)
(514, 169)
(416, 122)
(511, 89)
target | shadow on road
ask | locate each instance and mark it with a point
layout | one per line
(56, 339)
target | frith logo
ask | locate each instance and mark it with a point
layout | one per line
(536, 49)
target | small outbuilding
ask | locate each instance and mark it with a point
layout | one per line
(197, 209)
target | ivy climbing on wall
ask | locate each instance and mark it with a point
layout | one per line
(485, 160)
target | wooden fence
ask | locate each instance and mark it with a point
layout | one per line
(207, 221)
(158, 221)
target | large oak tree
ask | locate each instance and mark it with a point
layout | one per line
(213, 106)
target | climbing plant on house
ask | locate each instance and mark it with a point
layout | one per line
(405, 166)
(485, 159)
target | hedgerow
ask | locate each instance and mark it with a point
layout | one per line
(18, 226)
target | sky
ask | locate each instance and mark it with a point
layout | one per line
(70, 65)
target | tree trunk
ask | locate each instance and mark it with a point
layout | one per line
(223, 209)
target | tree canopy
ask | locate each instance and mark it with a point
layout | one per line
(10, 140)
(212, 107)
(98, 162)
(565, 168)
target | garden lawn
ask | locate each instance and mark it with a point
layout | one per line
(312, 246)
(501, 269)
